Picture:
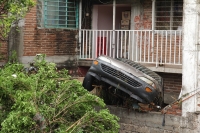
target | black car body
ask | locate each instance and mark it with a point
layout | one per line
(139, 82)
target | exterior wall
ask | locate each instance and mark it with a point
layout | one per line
(152, 122)
(147, 14)
(59, 45)
(172, 82)
(142, 18)
(167, 45)
(172, 86)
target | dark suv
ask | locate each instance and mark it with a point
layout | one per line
(129, 78)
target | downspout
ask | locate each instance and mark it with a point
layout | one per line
(80, 21)
(153, 27)
(114, 14)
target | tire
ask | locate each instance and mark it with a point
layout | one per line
(87, 82)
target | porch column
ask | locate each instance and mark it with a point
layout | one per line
(113, 39)
(153, 15)
(80, 22)
(153, 26)
(191, 62)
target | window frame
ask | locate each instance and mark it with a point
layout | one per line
(50, 14)
(172, 24)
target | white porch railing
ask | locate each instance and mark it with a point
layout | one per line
(144, 46)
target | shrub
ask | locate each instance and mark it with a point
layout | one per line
(42, 99)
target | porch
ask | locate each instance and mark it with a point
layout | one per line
(159, 50)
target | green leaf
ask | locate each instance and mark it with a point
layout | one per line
(48, 100)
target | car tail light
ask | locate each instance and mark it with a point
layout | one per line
(147, 89)
(95, 62)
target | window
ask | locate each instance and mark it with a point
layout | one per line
(169, 14)
(57, 14)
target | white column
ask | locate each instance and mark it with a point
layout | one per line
(153, 14)
(153, 23)
(80, 14)
(80, 24)
(114, 13)
(190, 82)
(113, 40)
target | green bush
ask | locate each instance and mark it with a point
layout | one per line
(43, 99)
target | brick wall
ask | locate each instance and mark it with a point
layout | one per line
(166, 45)
(47, 41)
(147, 14)
(172, 82)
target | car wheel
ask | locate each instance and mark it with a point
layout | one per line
(87, 82)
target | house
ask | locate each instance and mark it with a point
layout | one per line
(72, 33)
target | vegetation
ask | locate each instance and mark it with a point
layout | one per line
(11, 11)
(43, 99)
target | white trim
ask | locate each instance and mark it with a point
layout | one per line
(114, 16)
(80, 23)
